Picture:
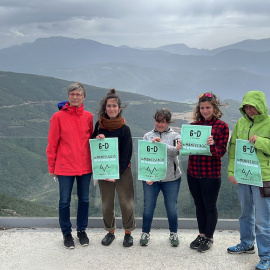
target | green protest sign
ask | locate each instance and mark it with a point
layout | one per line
(105, 161)
(247, 169)
(152, 160)
(193, 139)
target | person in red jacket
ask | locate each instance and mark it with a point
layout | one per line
(68, 155)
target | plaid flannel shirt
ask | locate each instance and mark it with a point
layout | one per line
(200, 166)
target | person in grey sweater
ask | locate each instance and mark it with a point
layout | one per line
(169, 185)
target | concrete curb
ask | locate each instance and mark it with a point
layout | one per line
(97, 222)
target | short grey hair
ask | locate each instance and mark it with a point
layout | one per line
(76, 86)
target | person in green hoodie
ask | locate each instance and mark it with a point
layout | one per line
(254, 126)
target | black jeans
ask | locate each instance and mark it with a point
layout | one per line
(205, 193)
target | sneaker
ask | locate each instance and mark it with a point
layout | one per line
(239, 249)
(263, 265)
(69, 241)
(205, 245)
(83, 239)
(107, 240)
(174, 239)
(128, 240)
(145, 238)
(195, 244)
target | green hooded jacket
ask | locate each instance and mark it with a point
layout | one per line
(246, 128)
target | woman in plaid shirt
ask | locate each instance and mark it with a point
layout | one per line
(204, 172)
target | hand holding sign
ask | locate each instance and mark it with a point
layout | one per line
(157, 139)
(233, 180)
(178, 145)
(253, 139)
(100, 136)
(210, 140)
(110, 180)
(150, 183)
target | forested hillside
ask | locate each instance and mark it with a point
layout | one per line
(26, 106)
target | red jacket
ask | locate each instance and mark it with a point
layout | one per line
(68, 150)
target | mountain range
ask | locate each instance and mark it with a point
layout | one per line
(173, 72)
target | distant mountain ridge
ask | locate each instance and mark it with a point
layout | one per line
(172, 72)
(262, 45)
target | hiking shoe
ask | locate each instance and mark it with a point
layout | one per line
(107, 240)
(239, 249)
(263, 265)
(174, 239)
(145, 238)
(128, 240)
(69, 241)
(195, 244)
(205, 245)
(83, 239)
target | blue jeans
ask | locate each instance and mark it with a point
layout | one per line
(254, 210)
(170, 192)
(65, 189)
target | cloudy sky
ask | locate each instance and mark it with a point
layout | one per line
(141, 23)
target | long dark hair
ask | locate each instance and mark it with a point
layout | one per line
(111, 95)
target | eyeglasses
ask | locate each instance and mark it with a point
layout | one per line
(248, 107)
(75, 95)
(206, 95)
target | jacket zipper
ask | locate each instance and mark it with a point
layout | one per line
(173, 161)
(250, 129)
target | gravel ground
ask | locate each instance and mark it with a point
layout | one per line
(37, 249)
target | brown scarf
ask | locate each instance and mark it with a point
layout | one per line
(112, 124)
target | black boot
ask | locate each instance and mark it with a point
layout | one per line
(107, 240)
(128, 240)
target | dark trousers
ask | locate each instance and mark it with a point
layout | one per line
(205, 193)
(65, 189)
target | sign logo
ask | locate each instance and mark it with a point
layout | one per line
(151, 171)
(246, 174)
(104, 169)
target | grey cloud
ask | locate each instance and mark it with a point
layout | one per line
(58, 10)
(20, 12)
(133, 23)
(41, 27)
